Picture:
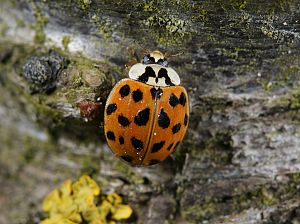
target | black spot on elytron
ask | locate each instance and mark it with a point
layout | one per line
(142, 117)
(127, 158)
(176, 128)
(156, 93)
(149, 72)
(170, 147)
(121, 140)
(153, 162)
(123, 121)
(137, 144)
(163, 119)
(137, 95)
(186, 119)
(173, 100)
(176, 145)
(182, 99)
(110, 135)
(124, 91)
(157, 146)
(163, 73)
(111, 108)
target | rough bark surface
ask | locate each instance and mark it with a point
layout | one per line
(240, 160)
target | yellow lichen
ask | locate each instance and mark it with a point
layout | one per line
(75, 203)
(121, 212)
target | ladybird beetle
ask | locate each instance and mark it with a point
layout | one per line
(146, 115)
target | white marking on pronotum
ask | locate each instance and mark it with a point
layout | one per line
(138, 69)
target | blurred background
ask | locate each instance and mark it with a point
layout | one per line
(240, 159)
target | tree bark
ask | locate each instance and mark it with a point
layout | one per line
(240, 160)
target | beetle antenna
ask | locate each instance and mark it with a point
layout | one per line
(178, 54)
(168, 55)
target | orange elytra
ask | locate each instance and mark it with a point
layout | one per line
(146, 115)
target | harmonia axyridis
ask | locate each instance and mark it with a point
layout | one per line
(146, 116)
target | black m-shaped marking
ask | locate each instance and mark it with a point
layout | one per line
(163, 73)
(149, 72)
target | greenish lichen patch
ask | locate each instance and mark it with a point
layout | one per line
(269, 7)
(106, 29)
(283, 73)
(169, 23)
(201, 15)
(82, 79)
(150, 7)
(278, 34)
(20, 22)
(219, 147)
(3, 28)
(294, 97)
(288, 105)
(65, 42)
(259, 197)
(40, 22)
(84, 4)
(32, 153)
(166, 28)
(238, 4)
(250, 194)
(199, 212)
(166, 25)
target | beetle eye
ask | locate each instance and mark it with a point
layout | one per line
(162, 62)
(165, 63)
(146, 59)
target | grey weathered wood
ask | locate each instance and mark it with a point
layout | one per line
(240, 160)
